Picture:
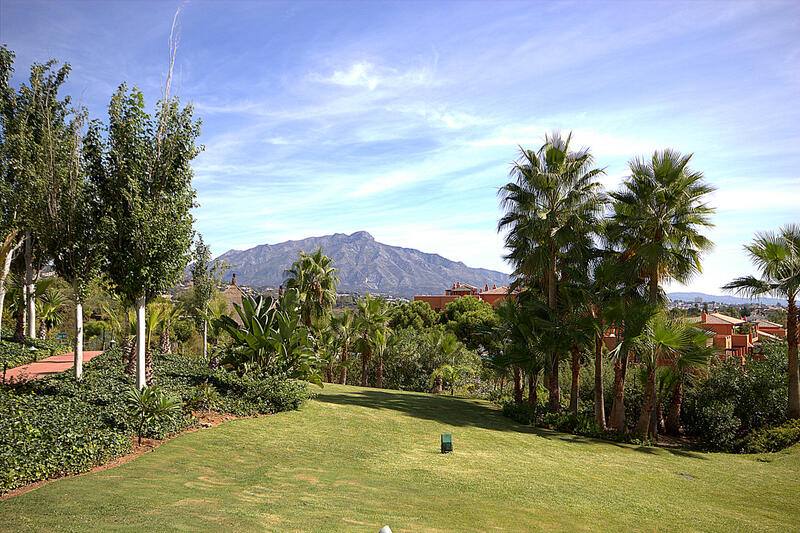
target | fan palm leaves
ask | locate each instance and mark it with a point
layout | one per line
(777, 257)
(658, 217)
(551, 208)
(49, 309)
(314, 277)
(345, 327)
(371, 317)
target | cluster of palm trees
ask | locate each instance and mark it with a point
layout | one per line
(51, 302)
(360, 336)
(589, 261)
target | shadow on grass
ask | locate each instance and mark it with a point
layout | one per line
(465, 412)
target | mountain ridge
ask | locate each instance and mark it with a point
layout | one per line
(365, 265)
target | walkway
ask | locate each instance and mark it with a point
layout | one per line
(45, 367)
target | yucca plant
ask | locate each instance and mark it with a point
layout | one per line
(150, 404)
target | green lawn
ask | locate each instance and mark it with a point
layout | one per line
(356, 459)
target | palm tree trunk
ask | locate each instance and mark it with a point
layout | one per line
(366, 356)
(552, 302)
(517, 385)
(618, 407)
(673, 424)
(437, 385)
(643, 426)
(576, 377)
(128, 355)
(532, 399)
(328, 374)
(599, 403)
(163, 340)
(793, 410)
(148, 367)
(78, 362)
(19, 330)
(42, 330)
(555, 389)
(343, 372)
(379, 380)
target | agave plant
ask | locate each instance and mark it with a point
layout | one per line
(271, 337)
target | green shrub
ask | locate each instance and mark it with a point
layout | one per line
(732, 401)
(56, 426)
(772, 439)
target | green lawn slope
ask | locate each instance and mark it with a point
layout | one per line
(356, 459)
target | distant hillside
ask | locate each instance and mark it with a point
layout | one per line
(365, 265)
(725, 299)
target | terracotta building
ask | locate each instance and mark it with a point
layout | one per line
(493, 296)
(736, 336)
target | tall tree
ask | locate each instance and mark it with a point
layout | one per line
(345, 326)
(35, 138)
(550, 207)
(777, 256)
(205, 282)
(141, 167)
(314, 277)
(655, 225)
(371, 317)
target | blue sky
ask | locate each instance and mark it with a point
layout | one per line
(402, 118)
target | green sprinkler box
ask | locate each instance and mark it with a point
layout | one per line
(447, 442)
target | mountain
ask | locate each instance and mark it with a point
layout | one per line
(727, 300)
(365, 265)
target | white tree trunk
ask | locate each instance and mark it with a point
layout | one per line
(141, 380)
(5, 267)
(78, 340)
(205, 340)
(30, 286)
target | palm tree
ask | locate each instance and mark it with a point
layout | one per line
(683, 365)
(550, 208)
(50, 303)
(345, 327)
(777, 256)
(314, 277)
(169, 313)
(371, 317)
(657, 218)
(446, 347)
(663, 343)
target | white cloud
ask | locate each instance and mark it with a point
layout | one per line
(370, 76)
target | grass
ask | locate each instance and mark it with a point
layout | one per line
(356, 459)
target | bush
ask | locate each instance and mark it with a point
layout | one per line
(731, 401)
(772, 439)
(57, 426)
(567, 422)
(13, 354)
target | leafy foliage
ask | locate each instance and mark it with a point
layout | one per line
(56, 426)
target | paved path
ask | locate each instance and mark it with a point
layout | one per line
(45, 367)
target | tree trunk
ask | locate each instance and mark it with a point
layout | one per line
(5, 268)
(19, 330)
(164, 346)
(517, 385)
(129, 355)
(673, 425)
(502, 384)
(379, 380)
(149, 378)
(328, 374)
(555, 388)
(437, 385)
(532, 399)
(599, 402)
(576, 377)
(343, 371)
(643, 426)
(653, 288)
(78, 363)
(793, 410)
(42, 330)
(141, 343)
(30, 286)
(365, 357)
(205, 340)
(618, 407)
